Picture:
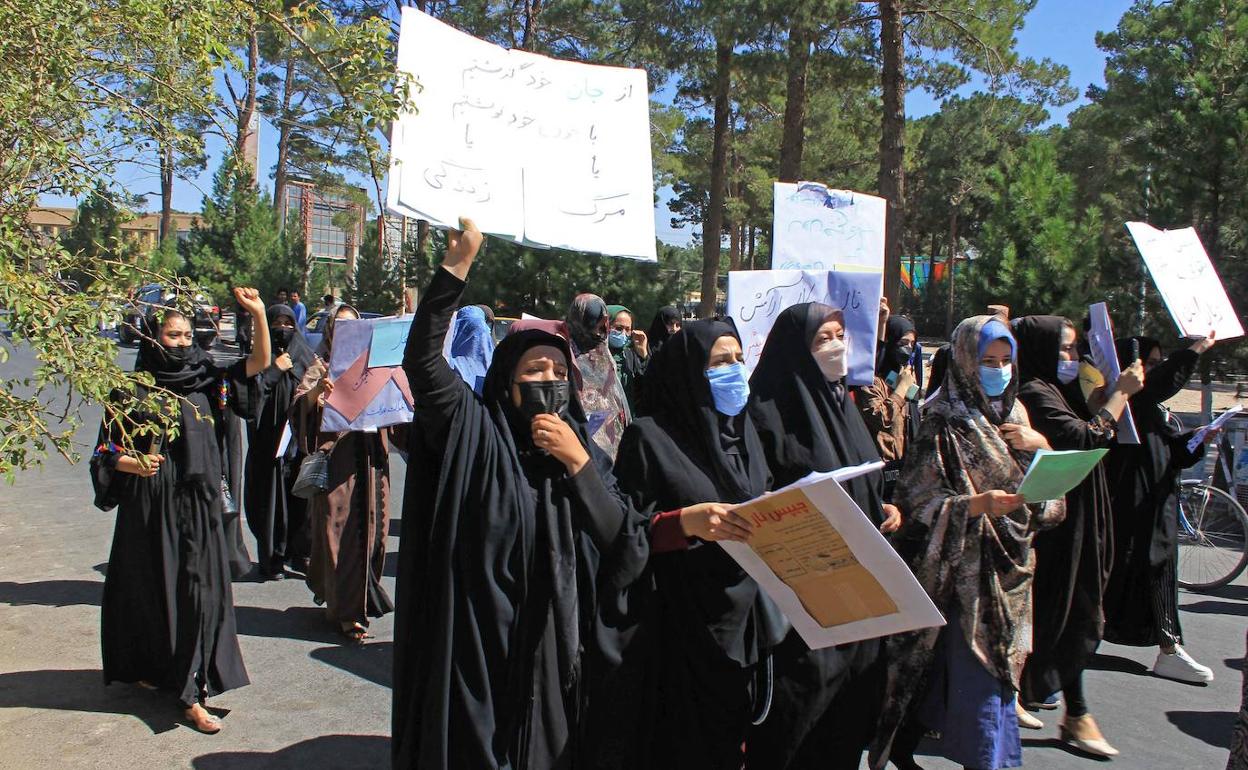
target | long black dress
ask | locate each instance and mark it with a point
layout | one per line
(1141, 602)
(168, 611)
(509, 569)
(825, 704)
(710, 628)
(1072, 559)
(277, 518)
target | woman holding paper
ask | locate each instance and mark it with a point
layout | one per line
(1141, 601)
(1072, 560)
(350, 521)
(711, 625)
(277, 518)
(167, 619)
(516, 546)
(967, 537)
(890, 404)
(825, 702)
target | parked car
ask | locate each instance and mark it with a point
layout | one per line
(314, 329)
(501, 325)
(155, 296)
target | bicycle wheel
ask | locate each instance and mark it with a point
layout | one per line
(1213, 537)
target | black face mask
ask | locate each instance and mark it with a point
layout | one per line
(205, 340)
(176, 357)
(281, 336)
(900, 357)
(550, 397)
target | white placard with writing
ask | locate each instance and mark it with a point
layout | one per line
(533, 149)
(817, 228)
(1190, 286)
(756, 298)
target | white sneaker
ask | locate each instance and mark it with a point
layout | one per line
(1182, 667)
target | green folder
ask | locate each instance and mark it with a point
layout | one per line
(1053, 474)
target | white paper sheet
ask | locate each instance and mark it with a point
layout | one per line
(1199, 436)
(756, 297)
(859, 547)
(1105, 356)
(817, 228)
(1190, 286)
(534, 149)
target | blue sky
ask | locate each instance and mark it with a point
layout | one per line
(1061, 30)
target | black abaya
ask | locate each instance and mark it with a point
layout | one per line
(824, 708)
(1072, 559)
(276, 517)
(507, 569)
(167, 616)
(1144, 478)
(711, 628)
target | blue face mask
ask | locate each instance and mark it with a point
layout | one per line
(617, 340)
(1067, 371)
(995, 380)
(730, 388)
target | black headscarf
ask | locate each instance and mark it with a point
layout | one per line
(658, 335)
(888, 356)
(300, 353)
(1039, 338)
(678, 397)
(806, 423)
(940, 365)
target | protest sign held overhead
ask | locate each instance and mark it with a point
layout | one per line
(536, 150)
(1190, 286)
(370, 387)
(817, 228)
(756, 297)
(1105, 356)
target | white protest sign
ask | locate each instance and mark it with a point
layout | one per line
(1105, 356)
(817, 228)
(1190, 286)
(533, 149)
(756, 298)
(826, 565)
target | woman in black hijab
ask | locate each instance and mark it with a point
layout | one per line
(1141, 601)
(167, 618)
(1074, 558)
(277, 518)
(891, 409)
(711, 626)
(825, 704)
(666, 323)
(516, 544)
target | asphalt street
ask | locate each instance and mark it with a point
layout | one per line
(317, 703)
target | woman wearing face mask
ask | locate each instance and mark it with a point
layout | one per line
(1141, 600)
(967, 537)
(825, 702)
(168, 610)
(350, 521)
(1072, 560)
(713, 626)
(631, 351)
(516, 544)
(891, 410)
(587, 324)
(277, 518)
(666, 322)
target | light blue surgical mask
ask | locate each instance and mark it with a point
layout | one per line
(730, 388)
(1067, 371)
(995, 380)
(617, 340)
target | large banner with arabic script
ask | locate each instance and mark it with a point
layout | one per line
(536, 150)
(756, 297)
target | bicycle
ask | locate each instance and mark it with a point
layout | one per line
(1212, 528)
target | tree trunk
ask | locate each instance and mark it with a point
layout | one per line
(422, 238)
(734, 247)
(166, 194)
(751, 247)
(283, 136)
(532, 9)
(892, 139)
(794, 132)
(712, 225)
(953, 260)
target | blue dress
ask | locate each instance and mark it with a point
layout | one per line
(971, 709)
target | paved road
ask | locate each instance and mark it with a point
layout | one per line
(314, 703)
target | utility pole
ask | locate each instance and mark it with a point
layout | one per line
(1141, 309)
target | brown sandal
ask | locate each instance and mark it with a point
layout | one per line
(355, 632)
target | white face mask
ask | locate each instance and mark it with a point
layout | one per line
(833, 359)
